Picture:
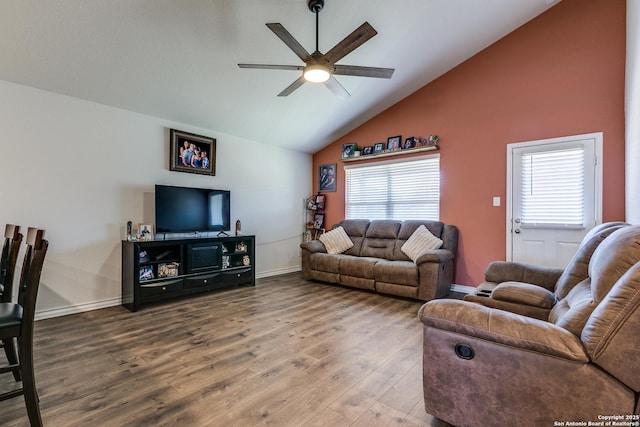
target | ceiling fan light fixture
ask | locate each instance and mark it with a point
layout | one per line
(316, 73)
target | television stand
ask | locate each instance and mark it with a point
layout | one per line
(158, 270)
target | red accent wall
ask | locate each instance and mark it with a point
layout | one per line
(560, 74)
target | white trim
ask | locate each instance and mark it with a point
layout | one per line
(80, 308)
(597, 136)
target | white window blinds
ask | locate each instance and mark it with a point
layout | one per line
(553, 187)
(401, 190)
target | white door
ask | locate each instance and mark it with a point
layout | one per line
(554, 194)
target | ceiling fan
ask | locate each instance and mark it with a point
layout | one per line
(321, 68)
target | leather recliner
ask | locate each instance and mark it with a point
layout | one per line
(533, 290)
(486, 366)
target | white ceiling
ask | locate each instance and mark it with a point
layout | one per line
(177, 59)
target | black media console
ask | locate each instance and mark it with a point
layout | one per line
(164, 269)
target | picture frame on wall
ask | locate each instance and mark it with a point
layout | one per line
(393, 142)
(192, 153)
(327, 177)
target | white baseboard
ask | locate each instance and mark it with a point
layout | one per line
(278, 272)
(463, 289)
(80, 308)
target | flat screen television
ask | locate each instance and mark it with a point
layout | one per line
(187, 210)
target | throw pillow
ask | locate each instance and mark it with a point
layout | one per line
(336, 241)
(421, 240)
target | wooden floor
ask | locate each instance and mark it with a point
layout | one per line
(286, 352)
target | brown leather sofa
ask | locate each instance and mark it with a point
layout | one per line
(376, 261)
(487, 366)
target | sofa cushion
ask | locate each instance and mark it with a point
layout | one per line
(336, 241)
(357, 266)
(397, 272)
(380, 239)
(356, 230)
(325, 262)
(421, 240)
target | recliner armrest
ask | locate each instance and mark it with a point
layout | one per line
(506, 271)
(503, 328)
(313, 246)
(435, 255)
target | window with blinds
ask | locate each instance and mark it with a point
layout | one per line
(553, 187)
(400, 190)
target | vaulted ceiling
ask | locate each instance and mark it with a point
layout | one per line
(177, 59)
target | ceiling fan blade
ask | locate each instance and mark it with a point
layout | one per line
(288, 39)
(355, 70)
(337, 89)
(363, 33)
(293, 86)
(272, 67)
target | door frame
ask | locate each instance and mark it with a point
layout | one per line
(596, 136)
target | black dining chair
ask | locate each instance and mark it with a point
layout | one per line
(17, 321)
(10, 249)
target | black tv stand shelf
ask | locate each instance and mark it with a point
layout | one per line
(165, 269)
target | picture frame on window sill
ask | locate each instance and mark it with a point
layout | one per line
(192, 153)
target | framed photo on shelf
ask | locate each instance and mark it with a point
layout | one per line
(318, 221)
(378, 147)
(327, 178)
(367, 150)
(146, 232)
(146, 273)
(192, 153)
(409, 143)
(393, 142)
(320, 201)
(348, 150)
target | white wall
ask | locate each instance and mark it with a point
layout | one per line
(632, 114)
(82, 170)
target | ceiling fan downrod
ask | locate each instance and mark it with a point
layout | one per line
(316, 6)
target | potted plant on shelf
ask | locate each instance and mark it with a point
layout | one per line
(356, 150)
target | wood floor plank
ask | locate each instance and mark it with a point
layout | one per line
(287, 352)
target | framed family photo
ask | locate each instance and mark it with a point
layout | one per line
(393, 142)
(327, 178)
(192, 153)
(378, 147)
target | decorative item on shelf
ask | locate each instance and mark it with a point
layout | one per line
(241, 247)
(146, 273)
(357, 150)
(238, 228)
(378, 147)
(409, 143)
(146, 232)
(348, 150)
(168, 269)
(432, 140)
(327, 178)
(246, 260)
(393, 142)
(143, 256)
(306, 236)
(367, 150)
(320, 202)
(311, 203)
(318, 221)
(225, 261)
